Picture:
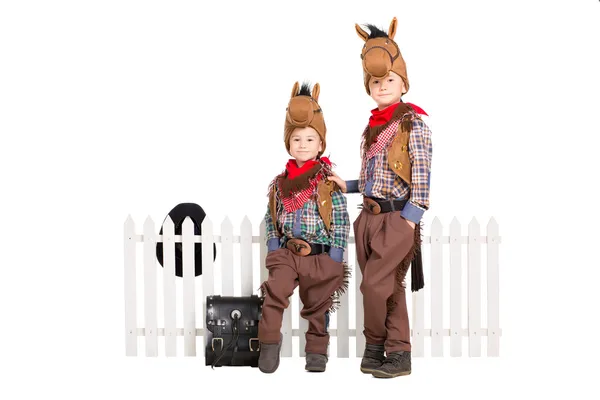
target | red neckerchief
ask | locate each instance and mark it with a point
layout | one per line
(294, 171)
(388, 132)
(297, 200)
(380, 117)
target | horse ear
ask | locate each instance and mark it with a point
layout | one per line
(315, 92)
(392, 30)
(361, 33)
(295, 90)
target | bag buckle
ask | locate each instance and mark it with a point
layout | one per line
(213, 343)
(250, 343)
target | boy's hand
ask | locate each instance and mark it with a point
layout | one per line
(340, 182)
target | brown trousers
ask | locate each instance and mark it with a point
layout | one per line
(382, 242)
(318, 277)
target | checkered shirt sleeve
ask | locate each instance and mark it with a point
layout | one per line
(340, 221)
(271, 230)
(419, 152)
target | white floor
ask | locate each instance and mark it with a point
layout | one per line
(527, 368)
(142, 378)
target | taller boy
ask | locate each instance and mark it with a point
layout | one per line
(394, 183)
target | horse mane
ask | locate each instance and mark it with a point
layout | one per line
(375, 32)
(304, 90)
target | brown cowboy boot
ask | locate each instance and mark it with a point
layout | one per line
(268, 361)
(372, 359)
(396, 364)
(315, 362)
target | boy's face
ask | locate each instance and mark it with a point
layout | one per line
(387, 91)
(305, 145)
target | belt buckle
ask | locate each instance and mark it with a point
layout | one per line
(298, 246)
(371, 205)
(250, 343)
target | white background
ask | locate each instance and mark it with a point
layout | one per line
(111, 108)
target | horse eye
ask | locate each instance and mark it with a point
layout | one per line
(387, 41)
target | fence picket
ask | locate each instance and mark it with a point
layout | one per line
(189, 299)
(130, 289)
(474, 306)
(227, 257)
(169, 287)
(246, 257)
(208, 282)
(150, 313)
(437, 334)
(455, 289)
(493, 290)
(418, 330)
(264, 274)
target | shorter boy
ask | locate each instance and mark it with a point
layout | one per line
(307, 226)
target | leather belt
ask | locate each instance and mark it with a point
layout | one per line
(302, 248)
(378, 206)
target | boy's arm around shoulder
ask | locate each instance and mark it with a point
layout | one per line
(350, 186)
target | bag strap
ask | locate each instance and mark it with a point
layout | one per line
(236, 334)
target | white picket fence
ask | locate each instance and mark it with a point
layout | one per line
(454, 295)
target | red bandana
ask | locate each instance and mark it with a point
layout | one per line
(380, 117)
(297, 200)
(294, 171)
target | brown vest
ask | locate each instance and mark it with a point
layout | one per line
(398, 158)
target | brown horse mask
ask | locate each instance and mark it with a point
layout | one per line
(380, 54)
(303, 110)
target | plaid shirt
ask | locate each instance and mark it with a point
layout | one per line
(306, 224)
(378, 180)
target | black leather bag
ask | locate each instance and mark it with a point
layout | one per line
(232, 334)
